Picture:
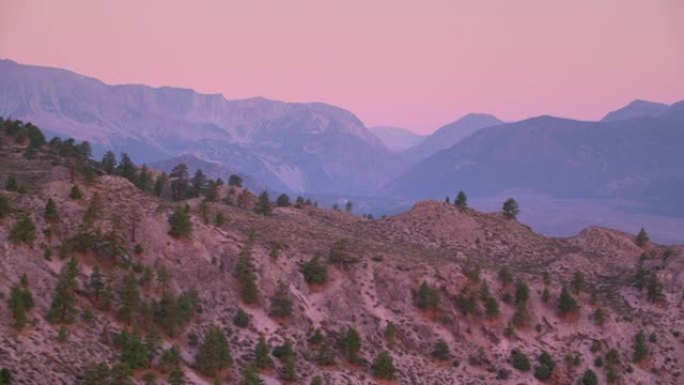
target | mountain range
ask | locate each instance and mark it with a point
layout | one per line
(322, 150)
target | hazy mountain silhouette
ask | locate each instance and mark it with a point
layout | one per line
(311, 147)
(397, 138)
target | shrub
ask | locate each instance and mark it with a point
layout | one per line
(23, 231)
(383, 366)
(519, 360)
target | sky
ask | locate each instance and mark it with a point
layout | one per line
(413, 64)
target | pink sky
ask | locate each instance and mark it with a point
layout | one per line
(414, 64)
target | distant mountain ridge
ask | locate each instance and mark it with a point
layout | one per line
(311, 147)
(637, 108)
(397, 138)
(448, 135)
(637, 158)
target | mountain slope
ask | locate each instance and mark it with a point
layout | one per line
(396, 138)
(636, 109)
(636, 158)
(299, 147)
(448, 135)
(454, 255)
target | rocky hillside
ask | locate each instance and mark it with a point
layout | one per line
(312, 147)
(227, 288)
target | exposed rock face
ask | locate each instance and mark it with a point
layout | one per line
(433, 243)
(311, 147)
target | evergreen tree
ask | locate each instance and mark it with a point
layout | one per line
(177, 377)
(577, 282)
(261, 357)
(211, 193)
(519, 360)
(127, 168)
(654, 289)
(64, 299)
(589, 378)
(109, 162)
(19, 302)
(522, 294)
(566, 302)
(245, 272)
(491, 308)
(235, 181)
(283, 351)
(283, 200)
(250, 375)
(315, 272)
(96, 374)
(642, 238)
(427, 298)
(316, 381)
(130, 299)
(179, 182)
(179, 222)
(390, 332)
(505, 276)
(23, 231)
(289, 372)
(4, 206)
(349, 206)
(281, 304)
(135, 353)
(144, 179)
(50, 214)
(441, 350)
(383, 366)
(75, 193)
(11, 184)
(640, 348)
(214, 353)
(510, 208)
(461, 200)
(350, 342)
(241, 319)
(160, 184)
(198, 182)
(263, 205)
(170, 359)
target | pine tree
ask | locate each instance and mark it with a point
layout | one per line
(24, 231)
(349, 206)
(289, 372)
(179, 182)
(177, 377)
(577, 282)
(19, 302)
(127, 168)
(441, 350)
(589, 378)
(505, 276)
(198, 183)
(64, 299)
(642, 238)
(510, 208)
(427, 298)
(170, 359)
(5, 207)
(350, 342)
(214, 353)
(315, 272)
(245, 272)
(640, 348)
(283, 200)
(491, 308)
(241, 319)
(75, 193)
(179, 222)
(383, 366)
(109, 162)
(566, 302)
(519, 360)
(51, 214)
(654, 289)
(235, 181)
(261, 357)
(160, 184)
(263, 205)
(130, 299)
(250, 375)
(461, 200)
(281, 304)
